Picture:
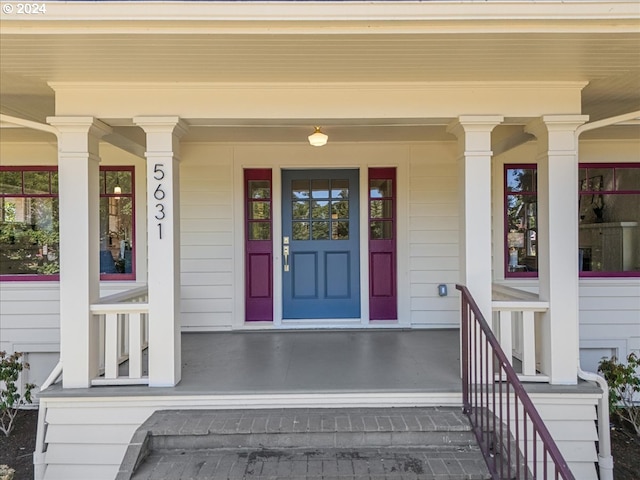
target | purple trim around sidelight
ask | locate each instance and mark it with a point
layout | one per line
(383, 297)
(258, 256)
(505, 194)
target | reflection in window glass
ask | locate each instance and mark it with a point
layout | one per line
(320, 209)
(116, 234)
(117, 181)
(379, 188)
(628, 179)
(260, 210)
(301, 230)
(340, 230)
(300, 189)
(340, 209)
(259, 231)
(598, 179)
(259, 189)
(320, 230)
(339, 188)
(521, 179)
(521, 235)
(300, 210)
(381, 230)
(29, 240)
(36, 182)
(320, 188)
(10, 182)
(381, 209)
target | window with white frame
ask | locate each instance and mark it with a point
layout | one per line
(29, 223)
(608, 223)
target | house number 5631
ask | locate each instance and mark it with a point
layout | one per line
(159, 194)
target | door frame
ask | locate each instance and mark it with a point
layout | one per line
(265, 157)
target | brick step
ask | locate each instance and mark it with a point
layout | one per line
(310, 427)
(392, 443)
(460, 463)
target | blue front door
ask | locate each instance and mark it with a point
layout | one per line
(320, 240)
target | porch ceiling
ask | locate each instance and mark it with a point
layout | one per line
(603, 52)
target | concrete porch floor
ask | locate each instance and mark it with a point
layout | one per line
(307, 362)
(322, 361)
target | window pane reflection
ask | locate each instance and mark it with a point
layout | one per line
(301, 230)
(380, 188)
(259, 231)
(381, 230)
(259, 189)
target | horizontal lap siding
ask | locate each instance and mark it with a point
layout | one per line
(29, 313)
(571, 422)
(433, 228)
(207, 212)
(609, 319)
(89, 441)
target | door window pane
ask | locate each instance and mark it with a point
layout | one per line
(320, 230)
(339, 188)
(320, 188)
(300, 230)
(379, 188)
(259, 231)
(381, 230)
(381, 209)
(320, 209)
(260, 210)
(259, 189)
(300, 210)
(300, 189)
(340, 230)
(340, 209)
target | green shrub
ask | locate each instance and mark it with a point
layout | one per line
(10, 399)
(624, 383)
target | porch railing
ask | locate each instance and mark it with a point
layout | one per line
(515, 314)
(514, 440)
(123, 337)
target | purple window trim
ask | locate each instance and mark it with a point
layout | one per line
(587, 166)
(54, 168)
(506, 193)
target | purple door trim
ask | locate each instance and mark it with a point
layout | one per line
(258, 252)
(383, 296)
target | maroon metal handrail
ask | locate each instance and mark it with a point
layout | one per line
(501, 412)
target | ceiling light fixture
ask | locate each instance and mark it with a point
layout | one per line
(317, 138)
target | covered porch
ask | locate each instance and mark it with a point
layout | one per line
(392, 363)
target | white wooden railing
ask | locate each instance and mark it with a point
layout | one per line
(516, 317)
(123, 336)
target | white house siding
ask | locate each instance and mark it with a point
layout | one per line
(88, 437)
(433, 233)
(207, 229)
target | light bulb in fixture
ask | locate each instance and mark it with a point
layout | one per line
(117, 190)
(317, 138)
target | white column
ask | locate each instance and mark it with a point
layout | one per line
(474, 159)
(163, 217)
(558, 242)
(79, 215)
